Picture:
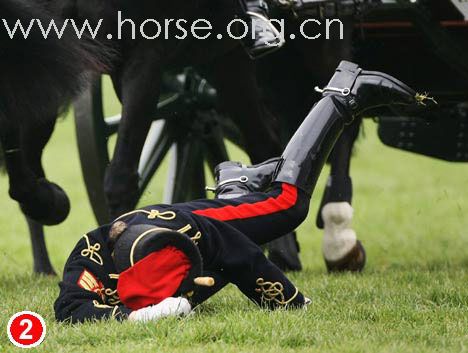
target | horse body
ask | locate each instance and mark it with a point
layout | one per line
(137, 80)
(30, 90)
(40, 77)
(38, 80)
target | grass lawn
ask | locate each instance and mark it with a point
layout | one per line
(411, 214)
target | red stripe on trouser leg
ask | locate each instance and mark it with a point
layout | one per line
(282, 202)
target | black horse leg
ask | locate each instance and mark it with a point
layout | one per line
(21, 177)
(39, 199)
(239, 94)
(34, 139)
(341, 248)
(23, 180)
(41, 258)
(138, 85)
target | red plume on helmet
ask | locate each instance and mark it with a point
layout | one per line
(154, 264)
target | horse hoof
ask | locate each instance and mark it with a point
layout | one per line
(353, 261)
(48, 204)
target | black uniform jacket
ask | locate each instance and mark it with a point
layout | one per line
(88, 290)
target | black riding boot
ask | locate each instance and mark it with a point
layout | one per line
(234, 179)
(263, 38)
(350, 93)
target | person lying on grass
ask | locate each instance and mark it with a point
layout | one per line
(163, 260)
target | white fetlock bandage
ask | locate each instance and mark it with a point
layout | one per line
(168, 307)
(339, 239)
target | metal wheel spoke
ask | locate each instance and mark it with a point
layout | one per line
(157, 145)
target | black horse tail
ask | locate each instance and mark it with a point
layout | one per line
(39, 77)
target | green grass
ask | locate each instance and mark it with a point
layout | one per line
(411, 214)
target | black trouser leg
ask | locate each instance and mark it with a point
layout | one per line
(261, 216)
(265, 216)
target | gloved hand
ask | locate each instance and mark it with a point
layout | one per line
(168, 307)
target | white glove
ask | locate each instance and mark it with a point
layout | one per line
(168, 307)
(307, 301)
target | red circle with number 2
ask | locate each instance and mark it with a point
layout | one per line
(26, 329)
